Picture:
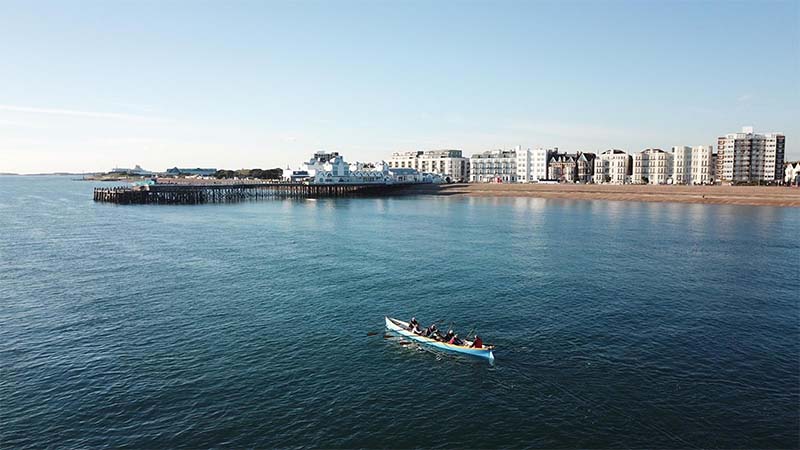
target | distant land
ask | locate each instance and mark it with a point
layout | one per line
(47, 174)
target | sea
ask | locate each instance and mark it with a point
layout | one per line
(261, 324)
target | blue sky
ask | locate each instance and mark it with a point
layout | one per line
(88, 85)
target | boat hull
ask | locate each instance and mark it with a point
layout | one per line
(400, 327)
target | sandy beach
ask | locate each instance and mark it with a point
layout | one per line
(727, 195)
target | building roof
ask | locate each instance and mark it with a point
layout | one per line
(403, 171)
(496, 154)
(562, 158)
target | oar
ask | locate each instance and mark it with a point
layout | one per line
(372, 333)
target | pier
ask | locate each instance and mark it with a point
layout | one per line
(192, 194)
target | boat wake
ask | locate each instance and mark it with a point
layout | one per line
(398, 339)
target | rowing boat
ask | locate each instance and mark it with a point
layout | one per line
(400, 327)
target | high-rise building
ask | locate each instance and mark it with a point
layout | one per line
(532, 164)
(749, 156)
(450, 164)
(612, 166)
(494, 166)
(693, 165)
(652, 166)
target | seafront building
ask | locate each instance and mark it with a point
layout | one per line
(451, 165)
(571, 168)
(562, 167)
(652, 166)
(585, 167)
(750, 157)
(791, 174)
(493, 166)
(693, 165)
(334, 170)
(612, 166)
(531, 165)
(331, 168)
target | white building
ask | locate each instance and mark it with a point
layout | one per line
(693, 165)
(331, 168)
(652, 166)
(405, 176)
(791, 174)
(532, 164)
(612, 166)
(749, 156)
(450, 164)
(494, 166)
(295, 175)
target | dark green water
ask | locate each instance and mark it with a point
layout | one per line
(619, 325)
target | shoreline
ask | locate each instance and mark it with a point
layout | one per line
(717, 195)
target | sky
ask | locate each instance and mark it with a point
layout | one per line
(91, 85)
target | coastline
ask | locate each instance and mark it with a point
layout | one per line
(721, 195)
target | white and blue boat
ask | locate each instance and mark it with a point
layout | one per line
(402, 328)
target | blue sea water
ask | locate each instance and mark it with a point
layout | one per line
(618, 324)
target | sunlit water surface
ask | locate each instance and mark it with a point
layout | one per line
(617, 324)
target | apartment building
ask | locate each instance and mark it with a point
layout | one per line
(693, 165)
(532, 164)
(652, 166)
(612, 166)
(750, 157)
(494, 166)
(450, 164)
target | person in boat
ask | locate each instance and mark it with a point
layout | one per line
(455, 340)
(431, 331)
(413, 326)
(477, 342)
(448, 336)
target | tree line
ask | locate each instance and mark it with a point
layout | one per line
(268, 174)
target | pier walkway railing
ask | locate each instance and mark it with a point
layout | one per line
(189, 193)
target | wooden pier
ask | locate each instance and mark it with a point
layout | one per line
(192, 194)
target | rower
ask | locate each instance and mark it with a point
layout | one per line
(455, 340)
(412, 324)
(431, 330)
(477, 343)
(448, 336)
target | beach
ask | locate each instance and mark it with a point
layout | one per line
(726, 195)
